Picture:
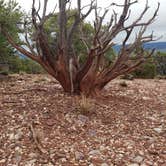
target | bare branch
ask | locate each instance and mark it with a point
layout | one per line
(27, 40)
(20, 49)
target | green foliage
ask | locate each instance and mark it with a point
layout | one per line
(10, 16)
(51, 28)
(17, 65)
(31, 67)
(160, 61)
(146, 70)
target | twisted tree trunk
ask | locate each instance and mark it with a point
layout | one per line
(90, 77)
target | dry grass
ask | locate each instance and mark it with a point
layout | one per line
(85, 105)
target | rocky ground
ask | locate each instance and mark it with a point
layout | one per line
(42, 126)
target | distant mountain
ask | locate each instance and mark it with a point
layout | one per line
(159, 46)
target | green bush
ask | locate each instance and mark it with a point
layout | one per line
(160, 61)
(18, 65)
(31, 67)
(146, 70)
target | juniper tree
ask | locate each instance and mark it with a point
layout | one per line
(57, 53)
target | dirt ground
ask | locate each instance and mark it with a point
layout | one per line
(42, 126)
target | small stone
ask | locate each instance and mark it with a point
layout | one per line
(63, 160)
(104, 164)
(91, 164)
(33, 155)
(18, 149)
(138, 159)
(133, 164)
(102, 148)
(82, 120)
(49, 164)
(146, 98)
(19, 135)
(11, 136)
(94, 153)
(143, 164)
(92, 133)
(79, 155)
(2, 161)
(31, 162)
(158, 130)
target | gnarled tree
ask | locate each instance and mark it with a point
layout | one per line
(58, 55)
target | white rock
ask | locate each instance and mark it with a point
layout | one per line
(2, 161)
(94, 152)
(79, 155)
(18, 149)
(102, 148)
(18, 135)
(63, 160)
(82, 120)
(146, 98)
(31, 162)
(33, 155)
(138, 159)
(133, 164)
(158, 130)
(11, 136)
(104, 164)
(91, 164)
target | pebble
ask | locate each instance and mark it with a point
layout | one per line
(146, 98)
(92, 133)
(104, 164)
(82, 120)
(133, 164)
(31, 162)
(91, 164)
(102, 148)
(158, 130)
(33, 155)
(138, 159)
(19, 135)
(2, 161)
(79, 155)
(94, 152)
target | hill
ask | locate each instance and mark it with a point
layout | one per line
(159, 46)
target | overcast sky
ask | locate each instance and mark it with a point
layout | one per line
(159, 27)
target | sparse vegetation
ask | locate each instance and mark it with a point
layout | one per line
(146, 70)
(85, 105)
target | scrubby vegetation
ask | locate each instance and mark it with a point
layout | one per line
(153, 68)
(16, 64)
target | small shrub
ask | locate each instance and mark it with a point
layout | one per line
(147, 71)
(85, 105)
